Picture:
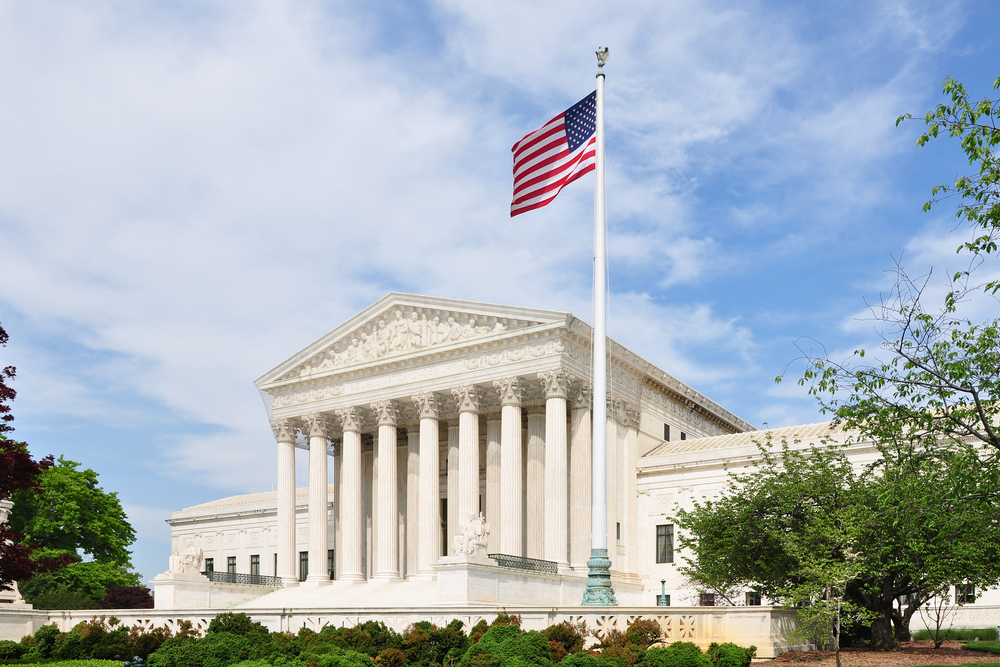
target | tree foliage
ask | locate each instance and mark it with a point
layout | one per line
(74, 514)
(806, 528)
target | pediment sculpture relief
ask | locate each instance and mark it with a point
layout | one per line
(405, 331)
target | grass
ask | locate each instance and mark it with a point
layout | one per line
(985, 647)
(961, 634)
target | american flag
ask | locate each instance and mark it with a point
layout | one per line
(548, 159)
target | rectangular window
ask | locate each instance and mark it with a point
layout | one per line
(209, 565)
(329, 563)
(753, 599)
(706, 600)
(665, 543)
(255, 565)
(666, 432)
(965, 594)
(303, 565)
(684, 436)
(618, 533)
(276, 565)
(231, 564)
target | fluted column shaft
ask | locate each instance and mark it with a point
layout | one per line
(412, 498)
(284, 432)
(452, 484)
(387, 526)
(351, 510)
(535, 491)
(580, 479)
(493, 435)
(511, 477)
(318, 499)
(429, 514)
(556, 384)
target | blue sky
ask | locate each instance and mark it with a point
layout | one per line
(192, 191)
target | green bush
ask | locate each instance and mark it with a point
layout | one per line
(985, 647)
(425, 644)
(678, 654)
(585, 659)
(11, 650)
(64, 600)
(236, 624)
(730, 655)
(960, 634)
(507, 646)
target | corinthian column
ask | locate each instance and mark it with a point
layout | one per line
(412, 498)
(511, 391)
(535, 491)
(493, 435)
(428, 501)
(555, 384)
(317, 427)
(580, 482)
(351, 511)
(387, 546)
(452, 484)
(468, 398)
(284, 433)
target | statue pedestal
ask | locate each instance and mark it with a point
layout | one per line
(468, 579)
(176, 590)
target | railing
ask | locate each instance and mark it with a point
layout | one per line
(522, 563)
(246, 579)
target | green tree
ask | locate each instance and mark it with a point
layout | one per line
(73, 514)
(805, 527)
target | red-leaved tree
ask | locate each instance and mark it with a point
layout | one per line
(18, 472)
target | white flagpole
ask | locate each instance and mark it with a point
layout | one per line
(599, 591)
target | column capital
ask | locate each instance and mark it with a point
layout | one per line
(555, 383)
(316, 425)
(469, 398)
(351, 419)
(387, 412)
(614, 408)
(284, 430)
(510, 390)
(428, 404)
(581, 395)
(632, 416)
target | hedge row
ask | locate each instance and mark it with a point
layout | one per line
(235, 639)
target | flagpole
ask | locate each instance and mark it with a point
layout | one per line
(599, 591)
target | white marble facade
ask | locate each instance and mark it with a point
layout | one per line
(421, 412)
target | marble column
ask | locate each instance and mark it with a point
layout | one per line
(468, 399)
(316, 425)
(386, 526)
(402, 472)
(511, 391)
(493, 436)
(428, 500)
(535, 486)
(284, 433)
(580, 482)
(412, 497)
(631, 502)
(556, 385)
(452, 486)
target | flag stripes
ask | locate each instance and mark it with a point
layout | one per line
(550, 158)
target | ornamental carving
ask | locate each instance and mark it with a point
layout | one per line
(405, 330)
(555, 383)
(315, 425)
(581, 395)
(632, 416)
(510, 390)
(351, 419)
(428, 405)
(386, 412)
(469, 398)
(284, 430)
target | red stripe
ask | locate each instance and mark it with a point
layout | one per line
(556, 188)
(538, 176)
(555, 185)
(526, 155)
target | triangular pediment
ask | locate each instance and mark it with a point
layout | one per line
(401, 324)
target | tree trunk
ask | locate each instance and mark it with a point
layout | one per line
(882, 636)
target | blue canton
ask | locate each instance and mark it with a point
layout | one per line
(581, 121)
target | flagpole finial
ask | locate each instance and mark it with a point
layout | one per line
(602, 57)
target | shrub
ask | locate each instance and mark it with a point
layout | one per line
(390, 657)
(678, 654)
(11, 650)
(64, 600)
(961, 634)
(643, 633)
(565, 638)
(730, 655)
(45, 641)
(236, 624)
(585, 659)
(511, 647)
